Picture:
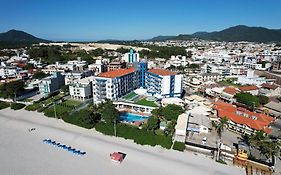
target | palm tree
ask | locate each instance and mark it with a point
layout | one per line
(220, 128)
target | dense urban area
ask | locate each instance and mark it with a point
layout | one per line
(218, 99)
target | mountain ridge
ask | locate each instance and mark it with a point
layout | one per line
(19, 36)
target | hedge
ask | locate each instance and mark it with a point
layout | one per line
(32, 107)
(4, 105)
(179, 146)
(17, 106)
(140, 136)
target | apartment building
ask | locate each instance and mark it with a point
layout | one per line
(81, 89)
(51, 84)
(114, 84)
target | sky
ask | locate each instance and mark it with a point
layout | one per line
(88, 20)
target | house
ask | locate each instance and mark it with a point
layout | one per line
(211, 77)
(181, 127)
(242, 120)
(199, 123)
(254, 90)
(270, 90)
(51, 84)
(273, 108)
(81, 89)
(228, 94)
(173, 100)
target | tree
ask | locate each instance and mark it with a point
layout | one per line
(39, 75)
(247, 99)
(219, 129)
(263, 99)
(266, 147)
(169, 112)
(11, 89)
(153, 123)
(109, 113)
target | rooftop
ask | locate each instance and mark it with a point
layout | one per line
(269, 86)
(116, 73)
(243, 116)
(230, 90)
(248, 88)
(162, 72)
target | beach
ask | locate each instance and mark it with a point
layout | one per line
(23, 152)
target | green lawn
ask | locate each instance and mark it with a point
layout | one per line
(229, 83)
(130, 95)
(72, 102)
(145, 102)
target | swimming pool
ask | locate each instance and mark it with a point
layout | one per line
(129, 117)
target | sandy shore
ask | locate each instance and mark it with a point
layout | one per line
(23, 152)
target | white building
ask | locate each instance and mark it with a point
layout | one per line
(181, 127)
(163, 83)
(114, 84)
(81, 89)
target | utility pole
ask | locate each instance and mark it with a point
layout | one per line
(115, 127)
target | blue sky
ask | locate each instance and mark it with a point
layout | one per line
(133, 19)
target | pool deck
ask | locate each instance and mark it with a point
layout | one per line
(134, 112)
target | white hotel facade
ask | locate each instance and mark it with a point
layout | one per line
(114, 84)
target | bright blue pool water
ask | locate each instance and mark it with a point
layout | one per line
(129, 117)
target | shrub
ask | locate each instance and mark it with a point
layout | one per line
(140, 136)
(179, 146)
(17, 106)
(4, 105)
(82, 118)
(32, 107)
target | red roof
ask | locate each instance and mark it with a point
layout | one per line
(248, 88)
(243, 116)
(116, 73)
(230, 90)
(269, 86)
(162, 72)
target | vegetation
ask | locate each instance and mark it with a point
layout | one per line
(109, 113)
(153, 123)
(33, 107)
(162, 52)
(180, 146)
(247, 99)
(263, 99)
(130, 95)
(17, 106)
(4, 105)
(39, 75)
(83, 118)
(266, 147)
(140, 136)
(170, 112)
(219, 129)
(145, 102)
(11, 89)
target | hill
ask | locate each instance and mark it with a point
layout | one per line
(233, 34)
(19, 36)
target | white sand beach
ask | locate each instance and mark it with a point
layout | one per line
(23, 152)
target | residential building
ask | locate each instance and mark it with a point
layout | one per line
(116, 65)
(98, 67)
(228, 94)
(254, 90)
(81, 89)
(211, 77)
(51, 84)
(163, 83)
(71, 77)
(273, 108)
(181, 127)
(270, 90)
(114, 84)
(131, 57)
(242, 120)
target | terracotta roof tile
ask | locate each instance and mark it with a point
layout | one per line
(248, 88)
(162, 72)
(230, 90)
(116, 73)
(269, 86)
(243, 116)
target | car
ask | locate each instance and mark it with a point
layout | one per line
(117, 157)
